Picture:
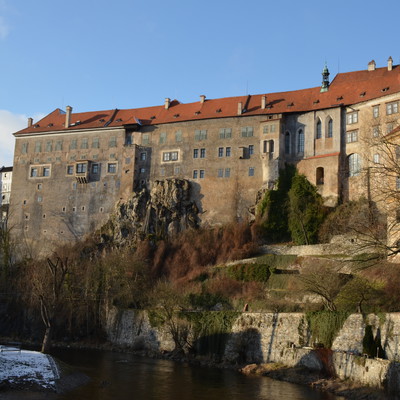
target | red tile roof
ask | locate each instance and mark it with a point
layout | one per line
(346, 89)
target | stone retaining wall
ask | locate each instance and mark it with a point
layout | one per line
(280, 337)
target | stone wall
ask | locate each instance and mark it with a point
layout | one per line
(280, 337)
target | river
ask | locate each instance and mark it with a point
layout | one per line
(121, 376)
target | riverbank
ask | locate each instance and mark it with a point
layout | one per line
(316, 380)
(69, 379)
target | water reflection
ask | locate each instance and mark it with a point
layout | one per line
(117, 376)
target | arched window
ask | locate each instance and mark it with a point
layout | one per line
(354, 164)
(287, 142)
(329, 133)
(300, 141)
(319, 129)
(320, 176)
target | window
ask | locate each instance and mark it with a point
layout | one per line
(319, 129)
(202, 173)
(46, 171)
(376, 158)
(375, 111)
(49, 146)
(39, 186)
(397, 151)
(70, 169)
(287, 143)
(195, 174)
(392, 108)
(195, 153)
(354, 164)
(320, 176)
(375, 131)
(74, 144)
(95, 143)
(228, 152)
(112, 168)
(220, 151)
(112, 142)
(142, 170)
(300, 141)
(251, 149)
(95, 169)
(143, 156)
(34, 172)
(84, 143)
(247, 131)
(251, 171)
(81, 168)
(398, 182)
(352, 136)
(38, 147)
(40, 199)
(220, 173)
(272, 128)
(24, 149)
(145, 138)
(227, 172)
(352, 118)
(200, 135)
(162, 171)
(177, 170)
(389, 127)
(170, 156)
(178, 136)
(59, 145)
(330, 128)
(128, 139)
(225, 133)
(266, 129)
(163, 137)
(202, 153)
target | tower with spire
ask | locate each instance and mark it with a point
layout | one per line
(325, 79)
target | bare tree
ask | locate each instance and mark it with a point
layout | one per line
(44, 283)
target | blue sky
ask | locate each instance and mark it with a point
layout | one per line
(97, 54)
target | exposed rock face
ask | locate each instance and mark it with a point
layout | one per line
(164, 210)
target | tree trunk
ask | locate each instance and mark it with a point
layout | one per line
(46, 345)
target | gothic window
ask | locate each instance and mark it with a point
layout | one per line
(319, 129)
(329, 133)
(300, 141)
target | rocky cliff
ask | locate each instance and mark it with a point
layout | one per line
(165, 209)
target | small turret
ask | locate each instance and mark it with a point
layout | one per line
(325, 79)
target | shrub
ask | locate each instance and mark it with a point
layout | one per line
(249, 272)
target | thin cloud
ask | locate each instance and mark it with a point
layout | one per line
(10, 123)
(4, 29)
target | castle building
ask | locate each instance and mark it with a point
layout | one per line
(70, 169)
(5, 192)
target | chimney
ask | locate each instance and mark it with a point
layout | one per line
(167, 103)
(390, 63)
(263, 102)
(239, 111)
(371, 65)
(68, 116)
(202, 98)
(30, 122)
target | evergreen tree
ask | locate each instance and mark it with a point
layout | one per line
(305, 211)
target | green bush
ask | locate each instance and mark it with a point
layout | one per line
(249, 272)
(206, 300)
